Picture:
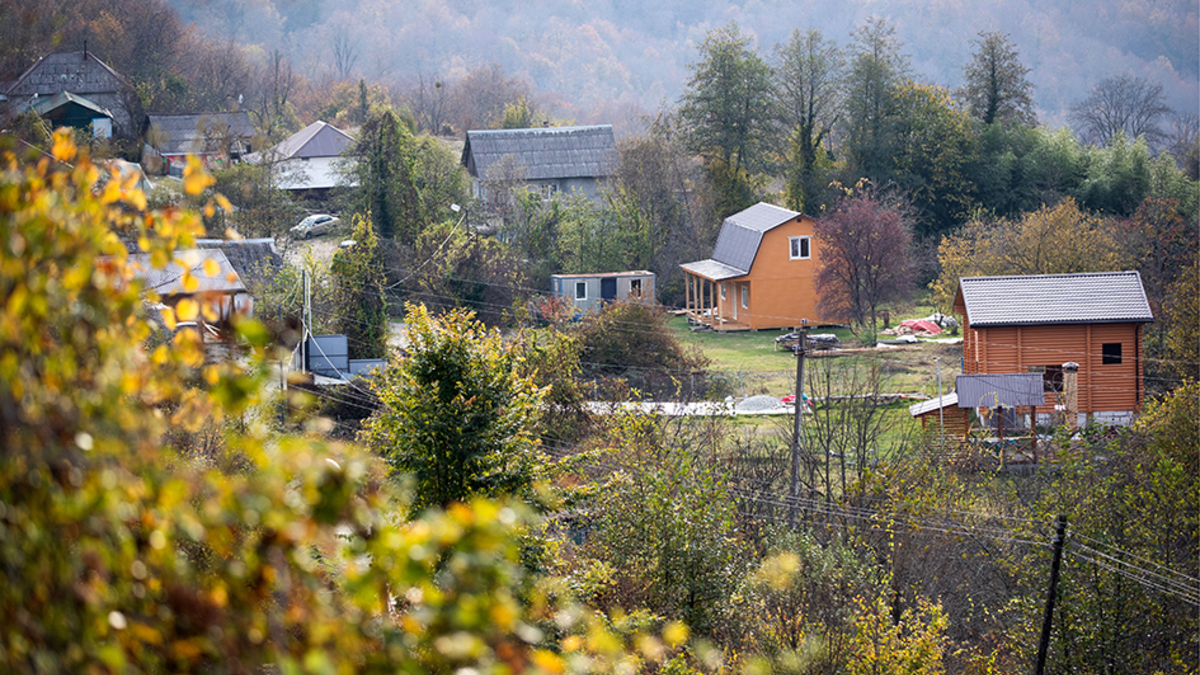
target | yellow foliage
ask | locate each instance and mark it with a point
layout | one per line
(1052, 240)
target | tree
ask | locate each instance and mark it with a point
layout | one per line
(1052, 240)
(809, 75)
(455, 414)
(386, 177)
(480, 97)
(995, 88)
(932, 146)
(1124, 103)
(357, 275)
(864, 248)
(728, 110)
(877, 67)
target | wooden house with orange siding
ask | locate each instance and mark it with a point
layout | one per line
(761, 273)
(1036, 324)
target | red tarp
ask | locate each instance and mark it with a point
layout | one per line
(922, 326)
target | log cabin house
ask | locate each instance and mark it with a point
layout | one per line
(1036, 324)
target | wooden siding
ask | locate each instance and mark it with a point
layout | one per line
(957, 421)
(1102, 388)
(782, 291)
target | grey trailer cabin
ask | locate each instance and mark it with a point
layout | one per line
(589, 291)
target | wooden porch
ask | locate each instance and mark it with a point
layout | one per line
(704, 305)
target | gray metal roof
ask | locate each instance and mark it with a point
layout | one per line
(545, 153)
(178, 134)
(315, 140)
(1101, 297)
(43, 106)
(713, 270)
(992, 391)
(944, 401)
(737, 245)
(169, 280)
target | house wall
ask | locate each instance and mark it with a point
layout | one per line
(781, 291)
(1108, 392)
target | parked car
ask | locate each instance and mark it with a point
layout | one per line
(318, 223)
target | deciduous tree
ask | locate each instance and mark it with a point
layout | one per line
(809, 73)
(385, 171)
(877, 68)
(456, 415)
(865, 259)
(1128, 104)
(995, 87)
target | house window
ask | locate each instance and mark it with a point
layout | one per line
(1052, 377)
(581, 290)
(798, 248)
(745, 297)
(1110, 354)
(635, 288)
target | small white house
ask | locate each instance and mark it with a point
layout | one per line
(310, 159)
(589, 291)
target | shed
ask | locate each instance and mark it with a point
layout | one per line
(957, 421)
(590, 291)
(1035, 324)
(225, 289)
(65, 109)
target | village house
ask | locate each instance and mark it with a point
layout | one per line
(570, 160)
(1039, 324)
(95, 89)
(761, 273)
(310, 160)
(213, 137)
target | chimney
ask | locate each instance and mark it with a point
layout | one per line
(1071, 393)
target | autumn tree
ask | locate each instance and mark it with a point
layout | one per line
(865, 261)
(478, 99)
(809, 74)
(728, 113)
(995, 88)
(1132, 105)
(1052, 240)
(456, 414)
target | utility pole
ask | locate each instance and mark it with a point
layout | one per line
(1060, 535)
(798, 443)
(941, 405)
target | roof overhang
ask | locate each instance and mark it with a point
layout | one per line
(712, 270)
(1009, 390)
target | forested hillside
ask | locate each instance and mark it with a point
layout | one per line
(590, 55)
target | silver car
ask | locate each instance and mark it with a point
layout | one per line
(318, 223)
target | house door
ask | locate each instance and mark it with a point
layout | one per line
(608, 289)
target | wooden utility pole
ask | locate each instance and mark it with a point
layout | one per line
(798, 443)
(1060, 535)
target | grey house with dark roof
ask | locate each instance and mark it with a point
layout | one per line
(550, 159)
(225, 135)
(82, 74)
(1039, 323)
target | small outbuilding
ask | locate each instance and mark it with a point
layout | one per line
(1038, 324)
(548, 159)
(590, 291)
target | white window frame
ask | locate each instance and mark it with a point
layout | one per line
(798, 246)
(581, 285)
(746, 297)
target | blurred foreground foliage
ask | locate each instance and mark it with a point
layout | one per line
(121, 553)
